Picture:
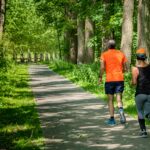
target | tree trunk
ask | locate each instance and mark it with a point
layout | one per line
(73, 46)
(107, 34)
(41, 57)
(81, 41)
(141, 25)
(35, 57)
(46, 57)
(22, 58)
(89, 33)
(66, 44)
(73, 35)
(29, 57)
(127, 29)
(2, 16)
(146, 5)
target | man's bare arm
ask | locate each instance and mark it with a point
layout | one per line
(102, 70)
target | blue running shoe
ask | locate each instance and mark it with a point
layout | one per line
(110, 122)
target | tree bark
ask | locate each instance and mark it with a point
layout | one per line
(141, 25)
(81, 41)
(73, 46)
(73, 35)
(89, 33)
(108, 34)
(2, 16)
(127, 29)
(66, 44)
(146, 5)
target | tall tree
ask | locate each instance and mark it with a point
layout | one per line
(146, 5)
(89, 33)
(81, 40)
(73, 46)
(2, 16)
(141, 25)
(127, 29)
(73, 38)
(70, 32)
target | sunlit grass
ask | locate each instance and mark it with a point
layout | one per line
(19, 123)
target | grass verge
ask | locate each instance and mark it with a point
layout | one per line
(19, 123)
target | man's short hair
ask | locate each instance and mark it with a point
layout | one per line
(111, 44)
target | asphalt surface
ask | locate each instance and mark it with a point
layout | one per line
(73, 119)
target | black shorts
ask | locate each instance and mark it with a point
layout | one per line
(114, 87)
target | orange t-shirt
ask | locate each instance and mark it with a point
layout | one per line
(113, 60)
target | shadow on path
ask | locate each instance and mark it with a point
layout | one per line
(72, 119)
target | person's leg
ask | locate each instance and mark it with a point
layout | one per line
(119, 90)
(120, 107)
(111, 121)
(140, 100)
(109, 90)
(147, 108)
(119, 100)
(111, 104)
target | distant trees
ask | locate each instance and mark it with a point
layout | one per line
(76, 31)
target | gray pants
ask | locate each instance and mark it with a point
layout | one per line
(143, 105)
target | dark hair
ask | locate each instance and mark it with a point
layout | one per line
(111, 44)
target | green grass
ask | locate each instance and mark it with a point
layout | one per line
(87, 77)
(19, 123)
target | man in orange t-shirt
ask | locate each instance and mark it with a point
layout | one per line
(113, 62)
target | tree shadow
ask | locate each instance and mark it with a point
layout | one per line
(79, 124)
(18, 118)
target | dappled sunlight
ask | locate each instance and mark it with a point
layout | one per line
(73, 119)
(112, 146)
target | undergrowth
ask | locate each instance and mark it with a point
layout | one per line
(86, 75)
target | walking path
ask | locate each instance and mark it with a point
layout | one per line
(72, 119)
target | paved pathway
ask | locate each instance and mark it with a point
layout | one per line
(72, 119)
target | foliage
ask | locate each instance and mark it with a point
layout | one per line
(4, 61)
(24, 29)
(38, 25)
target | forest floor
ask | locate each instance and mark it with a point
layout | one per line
(73, 119)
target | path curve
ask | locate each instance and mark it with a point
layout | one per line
(72, 119)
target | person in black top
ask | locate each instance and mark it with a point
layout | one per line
(141, 78)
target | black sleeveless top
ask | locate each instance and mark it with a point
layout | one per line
(143, 81)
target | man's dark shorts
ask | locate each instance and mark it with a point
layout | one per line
(114, 87)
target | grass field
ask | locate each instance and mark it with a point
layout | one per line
(19, 123)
